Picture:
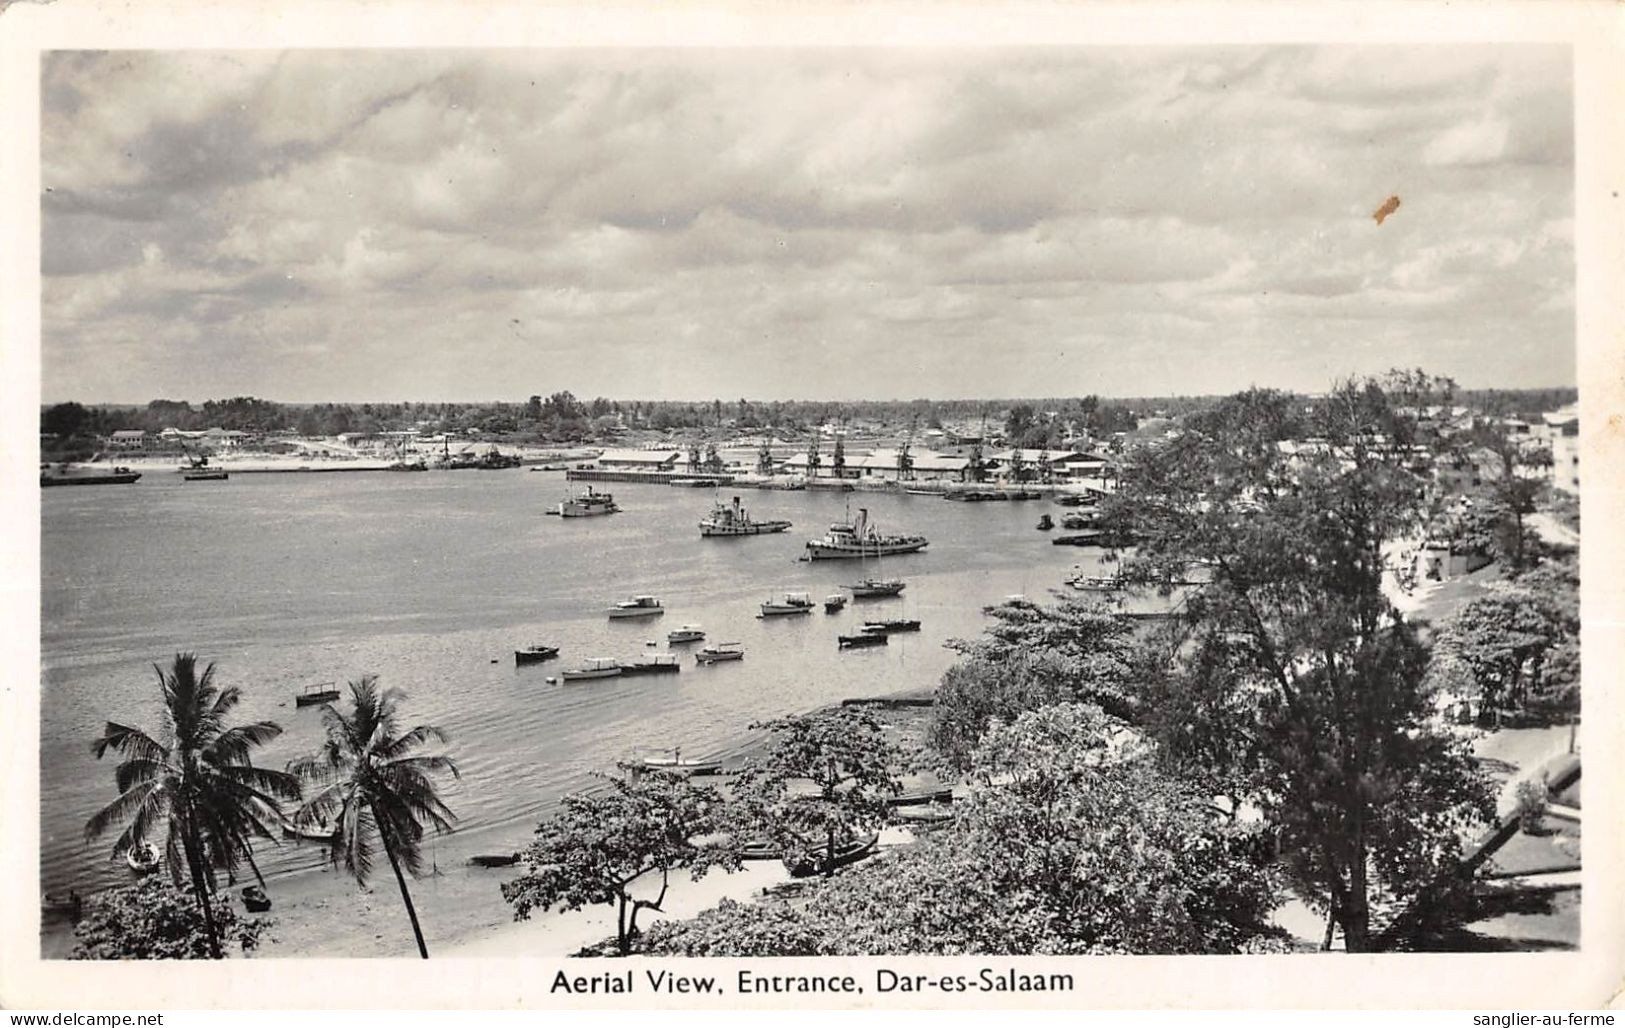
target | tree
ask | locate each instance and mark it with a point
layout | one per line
(1504, 638)
(599, 846)
(66, 420)
(1072, 845)
(1029, 657)
(152, 919)
(375, 789)
(846, 758)
(201, 780)
(1322, 676)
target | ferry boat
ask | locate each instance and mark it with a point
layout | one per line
(637, 607)
(718, 653)
(686, 634)
(588, 504)
(595, 667)
(725, 520)
(871, 588)
(793, 603)
(861, 539)
(69, 474)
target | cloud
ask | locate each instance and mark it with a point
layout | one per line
(759, 222)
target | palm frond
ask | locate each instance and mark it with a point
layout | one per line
(127, 740)
(127, 808)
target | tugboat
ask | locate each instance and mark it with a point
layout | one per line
(725, 520)
(859, 539)
(588, 504)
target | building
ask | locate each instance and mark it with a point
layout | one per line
(128, 439)
(1562, 429)
(642, 460)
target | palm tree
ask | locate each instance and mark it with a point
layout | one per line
(375, 787)
(201, 780)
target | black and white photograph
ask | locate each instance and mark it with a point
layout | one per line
(686, 505)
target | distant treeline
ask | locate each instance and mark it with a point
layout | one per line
(562, 418)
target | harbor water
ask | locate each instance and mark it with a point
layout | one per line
(431, 581)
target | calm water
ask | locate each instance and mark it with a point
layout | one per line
(432, 580)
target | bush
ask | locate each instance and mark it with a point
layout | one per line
(152, 919)
(1532, 798)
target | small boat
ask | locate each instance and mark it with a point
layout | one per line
(255, 901)
(1072, 500)
(69, 904)
(494, 859)
(535, 654)
(317, 692)
(637, 607)
(588, 504)
(920, 797)
(846, 642)
(69, 474)
(407, 465)
(686, 634)
(1045, 522)
(204, 476)
(692, 483)
(726, 521)
(793, 603)
(1079, 521)
(930, 815)
(922, 492)
(595, 667)
(653, 664)
(677, 762)
(859, 538)
(718, 653)
(1096, 583)
(850, 853)
(891, 625)
(143, 858)
(834, 602)
(761, 849)
(873, 588)
(317, 830)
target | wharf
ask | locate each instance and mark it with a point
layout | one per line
(651, 477)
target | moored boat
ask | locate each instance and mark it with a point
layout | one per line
(317, 692)
(686, 634)
(143, 858)
(873, 588)
(719, 653)
(850, 853)
(653, 664)
(206, 475)
(859, 539)
(1045, 522)
(847, 642)
(678, 762)
(535, 654)
(595, 667)
(792, 603)
(891, 625)
(636, 607)
(588, 504)
(734, 520)
(314, 829)
(834, 602)
(494, 859)
(70, 474)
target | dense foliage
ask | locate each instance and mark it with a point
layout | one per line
(823, 780)
(1296, 652)
(1073, 844)
(152, 919)
(597, 848)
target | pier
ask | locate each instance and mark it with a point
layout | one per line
(651, 477)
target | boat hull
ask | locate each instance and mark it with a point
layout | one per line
(819, 550)
(730, 531)
(650, 612)
(585, 674)
(534, 656)
(114, 478)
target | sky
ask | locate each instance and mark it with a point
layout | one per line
(838, 223)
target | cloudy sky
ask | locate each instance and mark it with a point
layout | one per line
(833, 223)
